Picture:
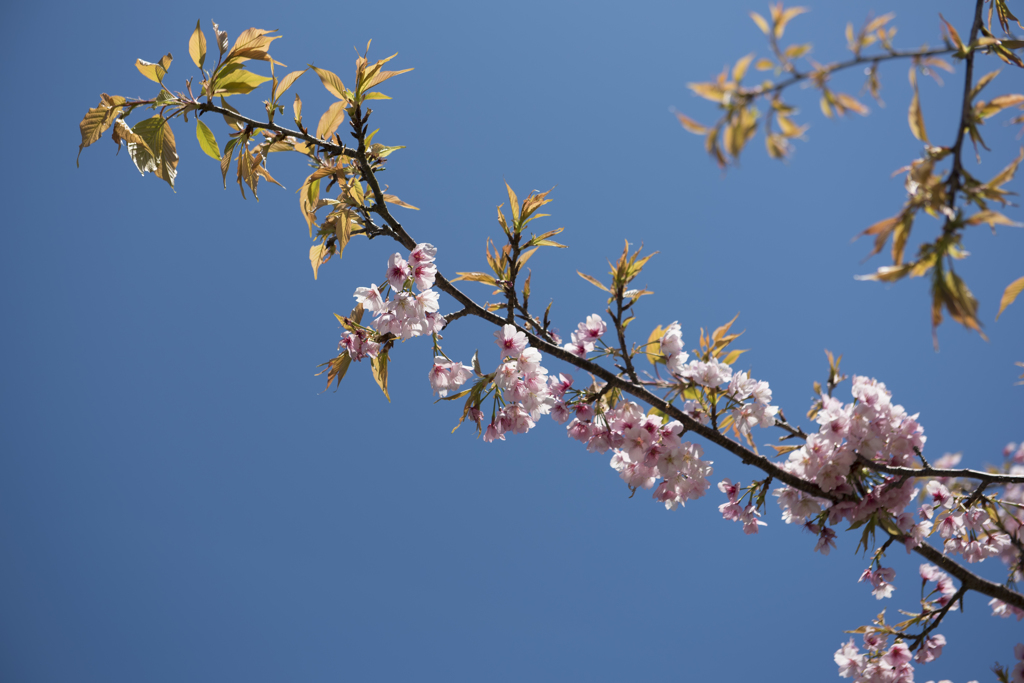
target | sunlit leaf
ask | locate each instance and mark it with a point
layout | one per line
(392, 199)
(159, 156)
(197, 46)
(96, 122)
(1010, 294)
(154, 72)
(380, 372)
(476, 277)
(331, 82)
(690, 125)
(331, 119)
(761, 22)
(238, 82)
(592, 280)
(207, 141)
(286, 83)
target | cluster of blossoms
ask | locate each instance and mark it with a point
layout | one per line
(645, 449)
(406, 314)
(711, 375)
(523, 386)
(586, 335)
(881, 663)
(874, 428)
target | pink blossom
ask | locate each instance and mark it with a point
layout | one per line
(850, 660)
(931, 649)
(424, 274)
(370, 298)
(398, 271)
(591, 330)
(671, 341)
(422, 253)
(511, 341)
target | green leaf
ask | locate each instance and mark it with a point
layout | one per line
(159, 157)
(197, 46)
(207, 141)
(237, 82)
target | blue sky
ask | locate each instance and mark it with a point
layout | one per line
(179, 500)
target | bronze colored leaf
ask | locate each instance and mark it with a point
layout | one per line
(318, 255)
(690, 125)
(392, 199)
(380, 372)
(331, 119)
(286, 83)
(1010, 294)
(476, 277)
(914, 116)
(96, 122)
(331, 82)
(592, 280)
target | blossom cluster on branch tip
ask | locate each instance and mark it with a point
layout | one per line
(406, 314)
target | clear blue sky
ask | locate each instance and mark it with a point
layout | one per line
(178, 499)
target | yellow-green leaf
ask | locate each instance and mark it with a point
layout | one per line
(741, 67)
(331, 82)
(1010, 294)
(734, 355)
(653, 346)
(238, 82)
(154, 72)
(159, 156)
(197, 46)
(207, 141)
(761, 22)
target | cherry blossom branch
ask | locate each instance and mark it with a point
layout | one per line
(969, 580)
(938, 616)
(938, 472)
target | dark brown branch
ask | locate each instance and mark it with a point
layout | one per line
(985, 477)
(340, 150)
